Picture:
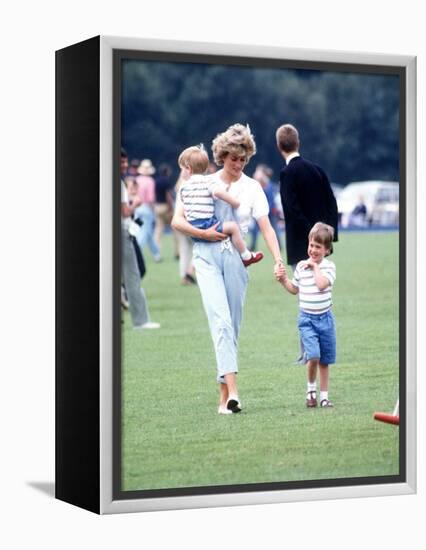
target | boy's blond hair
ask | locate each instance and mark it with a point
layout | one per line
(323, 234)
(194, 157)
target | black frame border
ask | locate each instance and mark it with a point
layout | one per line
(77, 191)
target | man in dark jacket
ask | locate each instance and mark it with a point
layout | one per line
(306, 195)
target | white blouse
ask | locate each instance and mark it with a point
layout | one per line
(253, 201)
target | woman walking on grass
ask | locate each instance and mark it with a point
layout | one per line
(222, 277)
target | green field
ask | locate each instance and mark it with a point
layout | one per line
(172, 434)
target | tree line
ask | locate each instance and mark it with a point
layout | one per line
(348, 122)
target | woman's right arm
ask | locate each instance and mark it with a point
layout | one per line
(180, 223)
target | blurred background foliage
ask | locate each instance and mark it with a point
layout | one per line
(348, 122)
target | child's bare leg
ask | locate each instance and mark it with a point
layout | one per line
(324, 374)
(311, 389)
(312, 368)
(232, 229)
(248, 258)
(324, 377)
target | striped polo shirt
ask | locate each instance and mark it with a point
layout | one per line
(311, 298)
(197, 196)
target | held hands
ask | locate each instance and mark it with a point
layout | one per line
(280, 271)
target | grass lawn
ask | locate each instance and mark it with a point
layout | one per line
(172, 434)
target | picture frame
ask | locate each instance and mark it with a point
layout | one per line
(88, 329)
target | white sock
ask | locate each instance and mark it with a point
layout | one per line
(246, 255)
(312, 386)
(323, 395)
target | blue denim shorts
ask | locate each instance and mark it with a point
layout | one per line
(318, 335)
(205, 223)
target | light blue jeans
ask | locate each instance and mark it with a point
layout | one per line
(222, 280)
(146, 232)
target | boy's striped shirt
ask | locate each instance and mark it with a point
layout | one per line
(197, 196)
(311, 298)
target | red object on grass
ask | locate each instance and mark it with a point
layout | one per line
(388, 418)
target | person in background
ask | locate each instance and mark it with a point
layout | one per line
(306, 195)
(144, 188)
(212, 168)
(132, 172)
(130, 274)
(164, 203)
(358, 217)
(263, 175)
(129, 180)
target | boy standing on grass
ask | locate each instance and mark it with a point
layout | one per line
(312, 281)
(198, 193)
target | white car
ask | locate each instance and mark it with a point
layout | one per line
(365, 203)
(337, 189)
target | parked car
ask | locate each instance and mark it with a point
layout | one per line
(337, 189)
(365, 203)
(386, 206)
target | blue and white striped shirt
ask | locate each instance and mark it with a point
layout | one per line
(197, 196)
(311, 298)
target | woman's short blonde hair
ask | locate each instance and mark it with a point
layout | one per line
(194, 157)
(237, 139)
